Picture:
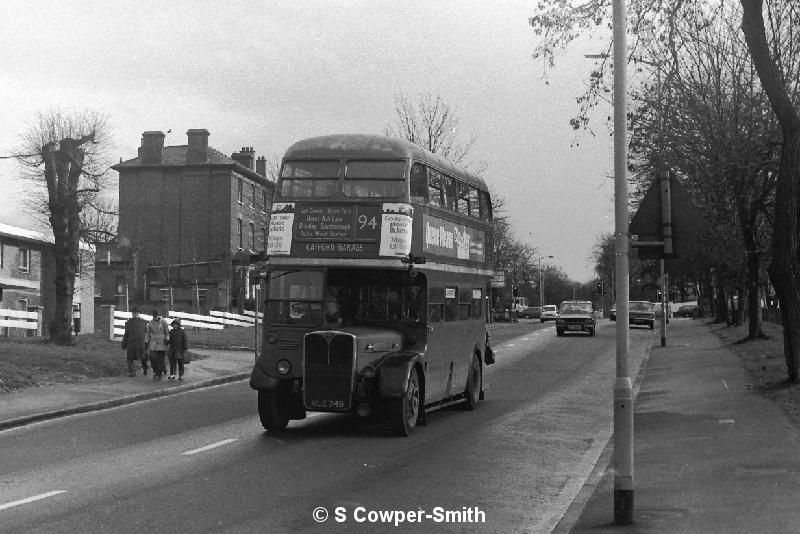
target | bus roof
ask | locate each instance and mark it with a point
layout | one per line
(369, 146)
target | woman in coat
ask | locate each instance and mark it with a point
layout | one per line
(156, 338)
(133, 342)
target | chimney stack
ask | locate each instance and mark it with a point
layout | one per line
(245, 157)
(152, 144)
(197, 151)
(261, 166)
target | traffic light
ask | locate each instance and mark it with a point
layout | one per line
(658, 294)
(514, 290)
(600, 288)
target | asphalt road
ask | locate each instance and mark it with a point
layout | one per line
(200, 462)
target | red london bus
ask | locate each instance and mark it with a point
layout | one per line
(376, 293)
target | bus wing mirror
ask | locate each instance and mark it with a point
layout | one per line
(419, 260)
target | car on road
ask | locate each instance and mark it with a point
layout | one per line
(641, 312)
(531, 312)
(687, 310)
(549, 313)
(575, 316)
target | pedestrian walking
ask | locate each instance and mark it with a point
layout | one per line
(156, 338)
(133, 342)
(177, 348)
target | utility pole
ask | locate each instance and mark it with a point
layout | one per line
(623, 390)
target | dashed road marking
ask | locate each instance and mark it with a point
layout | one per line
(210, 446)
(31, 499)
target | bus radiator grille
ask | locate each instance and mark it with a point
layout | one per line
(328, 371)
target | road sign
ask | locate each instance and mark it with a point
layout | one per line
(648, 224)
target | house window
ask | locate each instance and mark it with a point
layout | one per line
(24, 260)
(264, 238)
(252, 236)
(253, 196)
(120, 285)
(202, 297)
(165, 294)
(264, 201)
(240, 192)
(239, 232)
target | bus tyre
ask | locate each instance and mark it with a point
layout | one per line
(272, 418)
(473, 391)
(559, 332)
(591, 332)
(404, 411)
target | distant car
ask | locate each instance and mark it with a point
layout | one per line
(612, 313)
(531, 312)
(641, 312)
(575, 316)
(549, 313)
(688, 310)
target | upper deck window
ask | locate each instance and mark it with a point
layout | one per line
(316, 179)
(375, 179)
(436, 188)
(419, 182)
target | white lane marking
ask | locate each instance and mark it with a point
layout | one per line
(210, 446)
(31, 499)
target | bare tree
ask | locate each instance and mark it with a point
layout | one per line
(432, 124)
(64, 152)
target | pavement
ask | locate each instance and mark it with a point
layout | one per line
(30, 405)
(710, 454)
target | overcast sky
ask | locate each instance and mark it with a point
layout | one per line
(265, 74)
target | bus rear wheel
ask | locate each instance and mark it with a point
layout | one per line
(404, 411)
(473, 390)
(272, 417)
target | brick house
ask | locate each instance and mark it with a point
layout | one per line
(27, 278)
(191, 223)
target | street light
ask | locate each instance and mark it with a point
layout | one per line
(623, 390)
(541, 280)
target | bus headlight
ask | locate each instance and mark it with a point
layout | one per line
(283, 367)
(369, 372)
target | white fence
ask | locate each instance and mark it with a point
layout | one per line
(216, 321)
(19, 319)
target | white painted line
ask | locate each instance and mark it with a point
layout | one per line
(31, 499)
(211, 446)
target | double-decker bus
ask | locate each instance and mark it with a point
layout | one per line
(377, 285)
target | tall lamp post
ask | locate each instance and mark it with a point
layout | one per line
(541, 280)
(623, 390)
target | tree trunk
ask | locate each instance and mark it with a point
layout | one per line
(722, 307)
(784, 270)
(753, 302)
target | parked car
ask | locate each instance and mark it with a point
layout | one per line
(575, 316)
(612, 313)
(531, 312)
(641, 312)
(687, 310)
(549, 313)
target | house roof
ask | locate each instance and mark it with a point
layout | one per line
(175, 156)
(25, 234)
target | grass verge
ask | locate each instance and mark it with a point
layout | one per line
(764, 362)
(34, 362)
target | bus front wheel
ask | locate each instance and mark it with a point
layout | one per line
(272, 417)
(473, 390)
(404, 411)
